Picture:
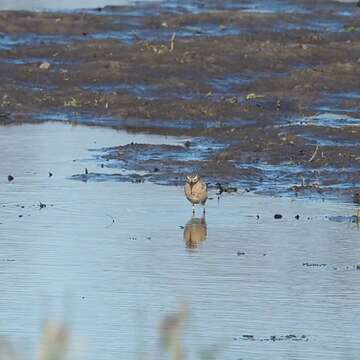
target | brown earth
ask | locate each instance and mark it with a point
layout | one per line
(259, 85)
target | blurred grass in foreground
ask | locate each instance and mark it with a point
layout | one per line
(56, 338)
(53, 345)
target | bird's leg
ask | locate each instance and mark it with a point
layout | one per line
(193, 209)
(358, 216)
(204, 210)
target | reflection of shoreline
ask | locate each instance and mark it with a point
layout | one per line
(195, 232)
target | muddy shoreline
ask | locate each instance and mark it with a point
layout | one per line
(270, 99)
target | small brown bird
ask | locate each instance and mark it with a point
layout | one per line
(196, 191)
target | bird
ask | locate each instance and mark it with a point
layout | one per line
(196, 191)
(195, 232)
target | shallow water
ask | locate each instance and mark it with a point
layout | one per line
(113, 282)
(63, 4)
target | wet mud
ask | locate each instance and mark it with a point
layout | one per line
(268, 95)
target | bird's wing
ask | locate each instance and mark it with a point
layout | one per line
(204, 186)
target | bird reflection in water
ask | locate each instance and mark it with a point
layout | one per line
(195, 232)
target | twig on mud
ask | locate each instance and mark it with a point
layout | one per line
(112, 221)
(314, 154)
(172, 42)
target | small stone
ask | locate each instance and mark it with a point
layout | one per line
(50, 174)
(297, 217)
(44, 66)
(277, 216)
(10, 178)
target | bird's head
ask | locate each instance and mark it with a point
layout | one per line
(192, 179)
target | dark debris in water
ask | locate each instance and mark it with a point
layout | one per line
(241, 253)
(42, 205)
(343, 219)
(306, 264)
(331, 267)
(272, 338)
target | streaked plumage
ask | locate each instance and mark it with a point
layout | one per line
(196, 190)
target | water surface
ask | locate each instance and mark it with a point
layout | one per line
(63, 4)
(113, 282)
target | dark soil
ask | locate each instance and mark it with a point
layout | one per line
(277, 92)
